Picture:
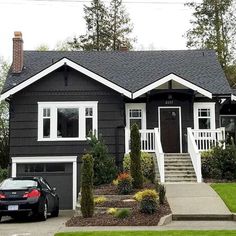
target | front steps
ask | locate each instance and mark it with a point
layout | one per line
(179, 168)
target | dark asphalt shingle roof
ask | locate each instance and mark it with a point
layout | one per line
(134, 70)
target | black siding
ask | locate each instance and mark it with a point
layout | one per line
(24, 115)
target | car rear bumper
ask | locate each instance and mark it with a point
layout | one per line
(24, 206)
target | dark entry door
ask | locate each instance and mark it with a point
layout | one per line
(170, 130)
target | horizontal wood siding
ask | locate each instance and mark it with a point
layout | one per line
(24, 115)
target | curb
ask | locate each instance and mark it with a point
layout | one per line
(165, 220)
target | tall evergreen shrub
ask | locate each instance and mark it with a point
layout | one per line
(87, 202)
(135, 157)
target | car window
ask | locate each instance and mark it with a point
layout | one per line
(45, 184)
(18, 184)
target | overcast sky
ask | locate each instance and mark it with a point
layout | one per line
(158, 24)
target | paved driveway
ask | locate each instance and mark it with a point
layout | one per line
(9, 227)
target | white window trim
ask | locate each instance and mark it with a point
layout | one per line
(180, 122)
(204, 105)
(46, 159)
(142, 106)
(53, 119)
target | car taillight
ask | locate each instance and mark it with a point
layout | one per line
(2, 196)
(33, 193)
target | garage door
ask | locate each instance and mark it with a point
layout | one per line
(58, 175)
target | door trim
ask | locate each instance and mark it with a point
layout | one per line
(180, 122)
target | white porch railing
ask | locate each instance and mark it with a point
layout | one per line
(147, 140)
(150, 142)
(206, 139)
(159, 155)
(195, 155)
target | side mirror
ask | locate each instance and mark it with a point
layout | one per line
(54, 189)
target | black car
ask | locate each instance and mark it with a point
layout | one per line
(28, 196)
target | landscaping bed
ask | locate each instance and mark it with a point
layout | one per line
(111, 189)
(135, 219)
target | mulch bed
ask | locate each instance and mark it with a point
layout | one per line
(206, 180)
(118, 204)
(135, 219)
(111, 189)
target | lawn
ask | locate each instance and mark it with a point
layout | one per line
(227, 192)
(152, 233)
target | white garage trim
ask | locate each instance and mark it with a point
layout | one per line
(45, 159)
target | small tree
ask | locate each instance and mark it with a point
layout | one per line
(104, 164)
(135, 157)
(87, 202)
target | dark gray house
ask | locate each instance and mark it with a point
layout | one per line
(180, 99)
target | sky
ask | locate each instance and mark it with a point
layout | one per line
(158, 24)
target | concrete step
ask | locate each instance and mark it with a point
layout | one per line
(179, 172)
(207, 217)
(176, 154)
(187, 168)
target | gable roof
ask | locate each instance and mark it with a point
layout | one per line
(133, 71)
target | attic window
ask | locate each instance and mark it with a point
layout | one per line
(66, 121)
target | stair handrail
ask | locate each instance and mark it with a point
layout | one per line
(195, 155)
(159, 155)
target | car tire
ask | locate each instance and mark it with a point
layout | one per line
(0, 218)
(55, 213)
(44, 213)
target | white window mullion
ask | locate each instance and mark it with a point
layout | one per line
(53, 120)
(82, 122)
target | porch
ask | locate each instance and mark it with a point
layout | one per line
(197, 141)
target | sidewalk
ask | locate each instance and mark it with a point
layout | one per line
(193, 199)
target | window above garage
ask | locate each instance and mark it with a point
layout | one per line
(66, 121)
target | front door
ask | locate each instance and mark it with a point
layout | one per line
(169, 124)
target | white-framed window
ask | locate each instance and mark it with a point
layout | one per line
(66, 121)
(136, 113)
(204, 115)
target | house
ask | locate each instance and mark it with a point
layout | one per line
(180, 100)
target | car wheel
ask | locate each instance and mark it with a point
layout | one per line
(44, 214)
(55, 213)
(0, 218)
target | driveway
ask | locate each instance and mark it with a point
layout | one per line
(10, 227)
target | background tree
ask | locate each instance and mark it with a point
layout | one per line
(119, 26)
(213, 27)
(4, 133)
(96, 37)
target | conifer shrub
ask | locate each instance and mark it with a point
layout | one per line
(122, 213)
(162, 194)
(147, 165)
(135, 157)
(87, 200)
(124, 185)
(105, 169)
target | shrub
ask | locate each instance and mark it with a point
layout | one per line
(157, 186)
(111, 211)
(124, 185)
(3, 174)
(104, 165)
(135, 157)
(99, 200)
(162, 194)
(87, 202)
(148, 201)
(147, 165)
(219, 163)
(145, 193)
(122, 213)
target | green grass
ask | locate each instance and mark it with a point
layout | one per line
(153, 233)
(227, 191)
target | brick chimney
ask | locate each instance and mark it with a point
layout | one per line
(17, 64)
(123, 48)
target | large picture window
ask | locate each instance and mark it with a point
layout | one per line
(66, 120)
(204, 115)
